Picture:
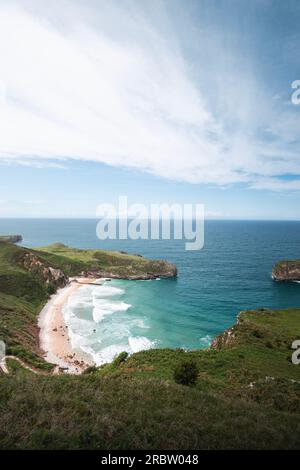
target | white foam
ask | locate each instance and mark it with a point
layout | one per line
(140, 343)
(109, 353)
(206, 341)
(87, 307)
(106, 291)
(103, 307)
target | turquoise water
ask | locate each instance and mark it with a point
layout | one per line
(231, 273)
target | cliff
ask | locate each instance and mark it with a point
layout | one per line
(11, 238)
(50, 275)
(102, 263)
(286, 271)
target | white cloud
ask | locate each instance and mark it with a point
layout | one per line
(120, 91)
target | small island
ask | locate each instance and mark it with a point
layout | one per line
(286, 270)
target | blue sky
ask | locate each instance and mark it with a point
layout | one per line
(162, 101)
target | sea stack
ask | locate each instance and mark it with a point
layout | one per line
(286, 271)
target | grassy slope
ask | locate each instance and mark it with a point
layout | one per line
(72, 261)
(21, 298)
(137, 404)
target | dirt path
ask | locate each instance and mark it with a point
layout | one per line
(5, 369)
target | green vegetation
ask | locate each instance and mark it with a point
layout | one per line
(186, 373)
(246, 391)
(247, 395)
(111, 263)
(22, 295)
(120, 358)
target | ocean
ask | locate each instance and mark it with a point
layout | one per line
(231, 273)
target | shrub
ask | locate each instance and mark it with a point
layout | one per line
(51, 289)
(186, 373)
(91, 370)
(120, 358)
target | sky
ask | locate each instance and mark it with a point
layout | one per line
(162, 101)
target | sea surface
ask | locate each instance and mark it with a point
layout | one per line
(231, 273)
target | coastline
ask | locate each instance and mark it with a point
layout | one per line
(53, 337)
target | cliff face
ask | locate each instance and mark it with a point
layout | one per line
(228, 337)
(286, 271)
(50, 275)
(164, 270)
(11, 238)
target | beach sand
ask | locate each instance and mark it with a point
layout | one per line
(54, 338)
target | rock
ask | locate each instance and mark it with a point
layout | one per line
(223, 340)
(49, 274)
(286, 271)
(163, 270)
(228, 337)
(11, 238)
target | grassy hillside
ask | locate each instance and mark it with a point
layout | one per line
(110, 263)
(247, 396)
(22, 296)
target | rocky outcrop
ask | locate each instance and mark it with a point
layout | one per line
(49, 274)
(223, 340)
(228, 337)
(11, 238)
(286, 271)
(167, 270)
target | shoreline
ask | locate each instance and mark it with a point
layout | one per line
(54, 340)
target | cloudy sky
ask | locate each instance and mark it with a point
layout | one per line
(163, 101)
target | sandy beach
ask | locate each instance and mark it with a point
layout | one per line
(54, 338)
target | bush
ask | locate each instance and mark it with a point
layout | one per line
(91, 370)
(120, 358)
(51, 289)
(186, 373)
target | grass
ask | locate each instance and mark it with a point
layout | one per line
(247, 396)
(128, 412)
(72, 261)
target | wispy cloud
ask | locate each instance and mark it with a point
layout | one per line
(103, 82)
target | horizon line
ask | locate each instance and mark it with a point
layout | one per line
(222, 219)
